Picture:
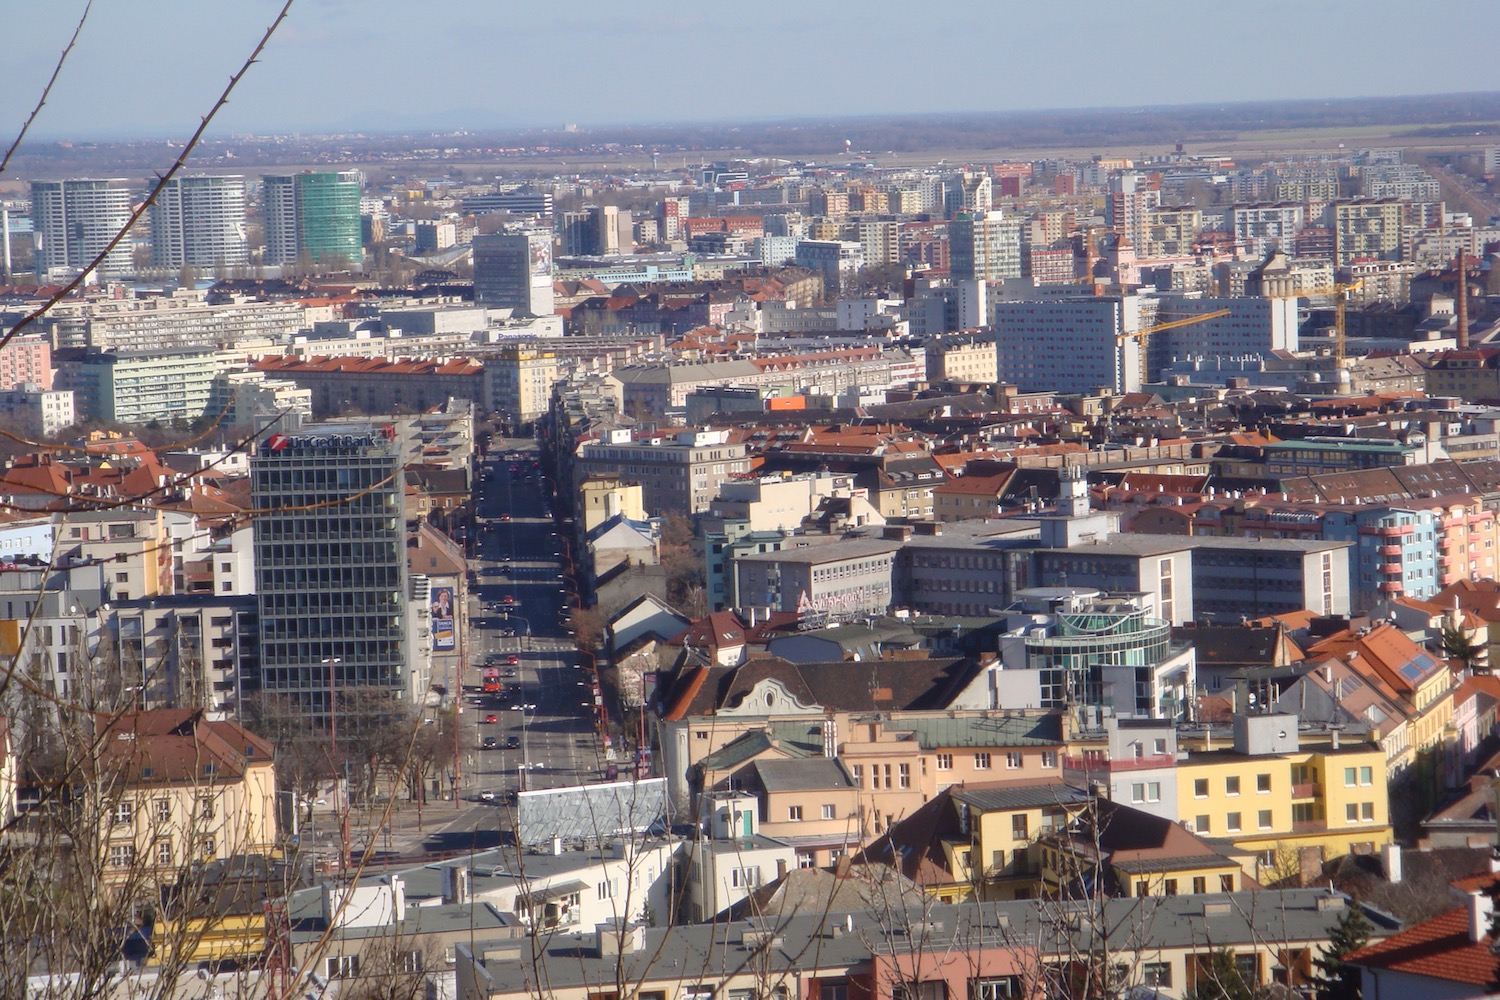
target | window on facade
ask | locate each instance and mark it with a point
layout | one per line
(1226, 883)
(794, 813)
(1200, 823)
(858, 770)
(1263, 819)
(1003, 988)
(1351, 812)
(124, 812)
(945, 762)
(1200, 788)
(903, 775)
(1169, 887)
(1018, 826)
(1367, 812)
(1161, 747)
(1156, 974)
(1232, 785)
(1349, 777)
(1232, 822)
(121, 855)
(164, 852)
(1013, 761)
(981, 762)
(341, 966)
(1263, 783)
(1200, 885)
(1366, 776)
(830, 812)
(1049, 758)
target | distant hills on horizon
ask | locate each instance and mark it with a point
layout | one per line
(1435, 116)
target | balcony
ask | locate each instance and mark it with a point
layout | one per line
(1389, 569)
(1308, 790)
(1389, 550)
(1445, 560)
(1144, 763)
(1392, 532)
(1391, 587)
(1309, 826)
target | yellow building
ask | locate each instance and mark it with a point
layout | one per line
(1287, 809)
(602, 497)
(894, 764)
(1007, 824)
(1124, 851)
(183, 790)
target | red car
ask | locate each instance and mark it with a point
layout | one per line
(492, 717)
(512, 660)
(505, 517)
(508, 600)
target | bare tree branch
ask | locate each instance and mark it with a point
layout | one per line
(161, 182)
(47, 90)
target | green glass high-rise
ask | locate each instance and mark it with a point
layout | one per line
(314, 214)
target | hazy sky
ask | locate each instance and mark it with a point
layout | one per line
(151, 67)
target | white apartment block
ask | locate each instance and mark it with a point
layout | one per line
(200, 221)
(1263, 228)
(1068, 345)
(34, 412)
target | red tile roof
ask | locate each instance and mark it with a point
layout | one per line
(1439, 948)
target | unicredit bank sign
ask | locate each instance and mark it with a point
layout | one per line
(307, 442)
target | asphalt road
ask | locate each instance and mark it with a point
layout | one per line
(518, 567)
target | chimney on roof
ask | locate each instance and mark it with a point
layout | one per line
(1463, 304)
(1480, 909)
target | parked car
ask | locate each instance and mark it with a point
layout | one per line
(486, 796)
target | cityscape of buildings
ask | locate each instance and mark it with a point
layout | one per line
(672, 571)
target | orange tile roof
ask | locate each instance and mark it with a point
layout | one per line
(291, 364)
(1439, 948)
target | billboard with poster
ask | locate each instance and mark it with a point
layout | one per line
(444, 637)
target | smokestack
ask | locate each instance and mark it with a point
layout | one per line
(1463, 304)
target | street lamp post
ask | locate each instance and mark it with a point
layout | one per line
(341, 800)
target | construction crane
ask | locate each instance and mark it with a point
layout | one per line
(1141, 337)
(1340, 292)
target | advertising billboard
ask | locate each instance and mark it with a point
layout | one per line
(444, 637)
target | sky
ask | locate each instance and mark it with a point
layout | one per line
(151, 68)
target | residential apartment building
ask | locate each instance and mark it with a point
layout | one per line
(520, 381)
(1365, 229)
(138, 387)
(34, 413)
(1289, 808)
(200, 222)
(1068, 345)
(676, 475)
(1171, 232)
(873, 955)
(984, 246)
(27, 359)
(193, 790)
(837, 261)
(1262, 229)
(74, 220)
(346, 385)
(193, 651)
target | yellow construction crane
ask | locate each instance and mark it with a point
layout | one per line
(1142, 336)
(1340, 292)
